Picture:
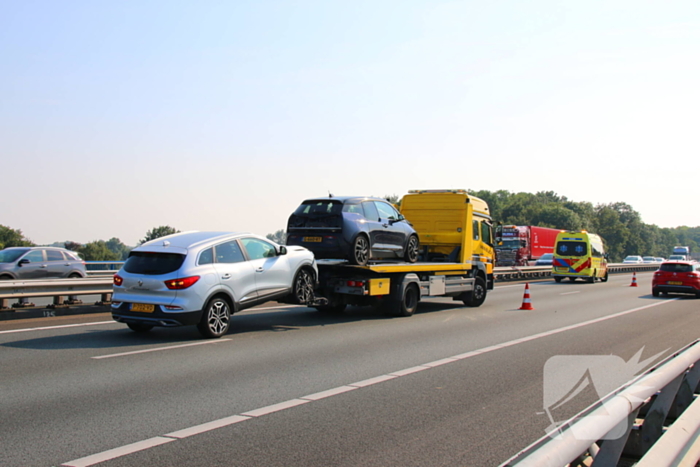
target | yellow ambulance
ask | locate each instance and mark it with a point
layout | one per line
(579, 254)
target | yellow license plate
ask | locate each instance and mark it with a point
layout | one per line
(143, 307)
(674, 283)
(313, 239)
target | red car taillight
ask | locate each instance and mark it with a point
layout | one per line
(356, 283)
(118, 279)
(179, 284)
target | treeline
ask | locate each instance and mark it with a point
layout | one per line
(98, 250)
(618, 223)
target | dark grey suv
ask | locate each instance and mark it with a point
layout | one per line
(40, 263)
(354, 228)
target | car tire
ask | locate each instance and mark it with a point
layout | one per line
(477, 296)
(591, 280)
(411, 253)
(139, 327)
(303, 287)
(557, 279)
(74, 275)
(572, 279)
(6, 278)
(605, 277)
(360, 253)
(216, 318)
(655, 292)
(333, 308)
(408, 301)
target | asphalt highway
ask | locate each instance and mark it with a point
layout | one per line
(289, 386)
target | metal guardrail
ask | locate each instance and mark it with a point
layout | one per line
(643, 423)
(528, 272)
(59, 289)
(100, 282)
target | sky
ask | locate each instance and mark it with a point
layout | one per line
(118, 117)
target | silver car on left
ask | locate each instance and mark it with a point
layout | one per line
(202, 278)
(40, 263)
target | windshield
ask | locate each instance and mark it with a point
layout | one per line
(11, 255)
(510, 244)
(547, 256)
(570, 248)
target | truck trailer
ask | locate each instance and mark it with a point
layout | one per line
(517, 245)
(456, 259)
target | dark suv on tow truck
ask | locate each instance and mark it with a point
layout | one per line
(354, 228)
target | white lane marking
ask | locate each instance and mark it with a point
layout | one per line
(444, 361)
(158, 349)
(369, 382)
(204, 427)
(58, 327)
(569, 293)
(410, 371)
(331, 392)
(275, 408)
(96, 458)
(118, 452)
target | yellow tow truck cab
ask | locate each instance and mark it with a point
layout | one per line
(456, 258)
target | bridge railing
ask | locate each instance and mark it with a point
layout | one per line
(652, 421)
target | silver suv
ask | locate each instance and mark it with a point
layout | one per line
(40, 263)
(202, 278)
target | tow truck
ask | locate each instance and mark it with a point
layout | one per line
(457, 259)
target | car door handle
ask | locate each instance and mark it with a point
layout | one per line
(226, 276)
(385, 225)
(259, 270)
(44, 266)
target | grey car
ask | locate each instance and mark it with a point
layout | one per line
(40, 263)
(202, 278)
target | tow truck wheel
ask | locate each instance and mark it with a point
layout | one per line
(477, 296)
(408, 302)
(411, 253)
(360, 251)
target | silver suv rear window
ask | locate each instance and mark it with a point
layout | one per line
(153, 264)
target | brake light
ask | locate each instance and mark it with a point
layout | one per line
(356, 283)
(118, 279)
(694, 274)
(179, 284)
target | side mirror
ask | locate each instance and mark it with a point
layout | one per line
(23, 262)
(283, 250)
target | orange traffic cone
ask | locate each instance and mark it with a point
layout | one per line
(634, 280)
(526, 299)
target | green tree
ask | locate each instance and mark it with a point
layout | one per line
(279, 237)
(614, 232)
(73, 246)
(157, 232)
(97, 251)
(117, 247)
(12, 237)
(556, 216)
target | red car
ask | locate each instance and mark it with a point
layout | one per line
(677, 277)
